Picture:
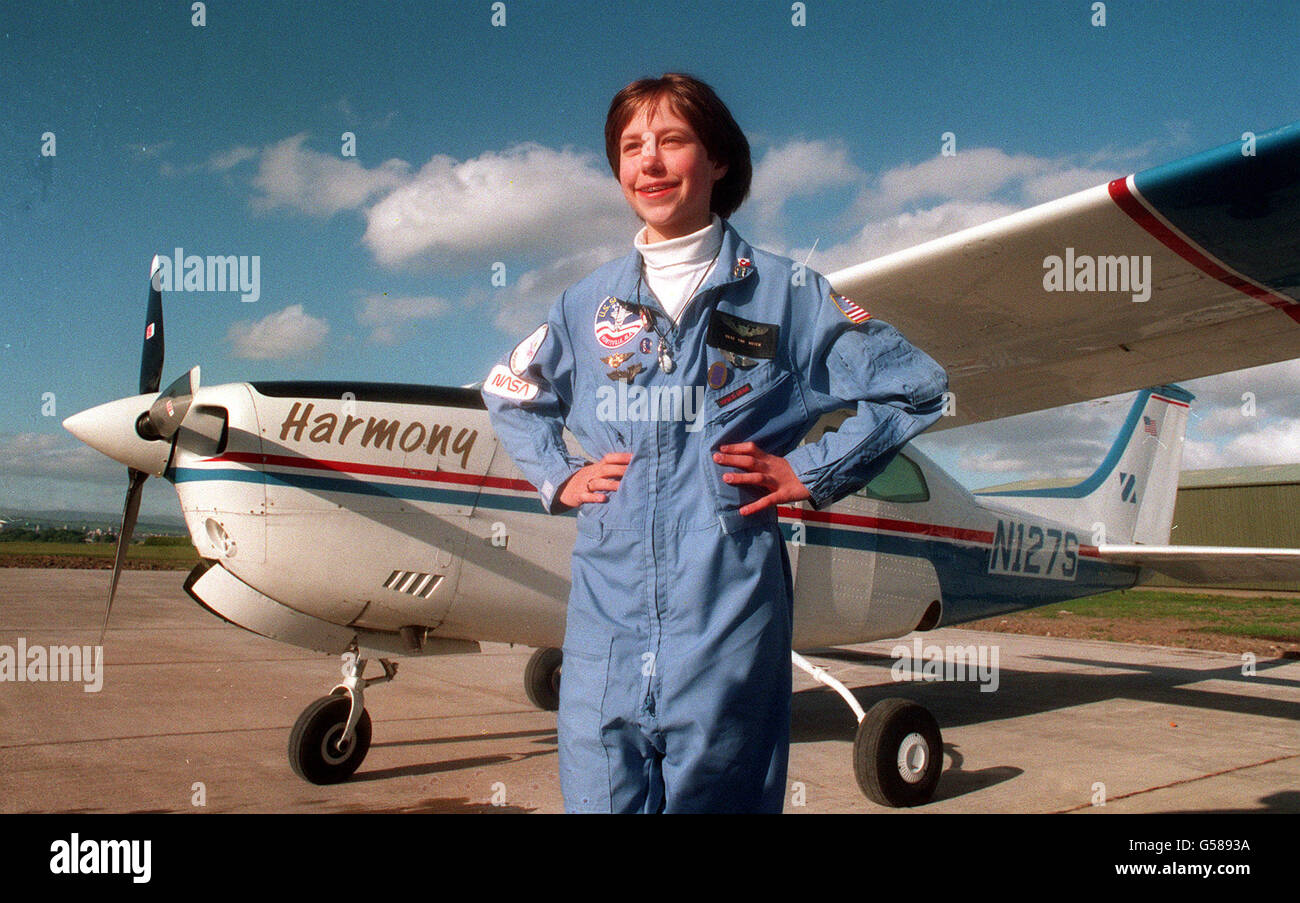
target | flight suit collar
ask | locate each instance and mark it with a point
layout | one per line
(735, 263)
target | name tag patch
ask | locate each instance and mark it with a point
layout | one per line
(734, 394)
(742, 337)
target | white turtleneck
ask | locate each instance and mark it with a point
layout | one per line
(676, 267)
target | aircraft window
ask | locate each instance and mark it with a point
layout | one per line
(901, 481)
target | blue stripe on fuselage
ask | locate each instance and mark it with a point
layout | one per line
(970, 592)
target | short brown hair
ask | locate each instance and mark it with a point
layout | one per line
(697, 103)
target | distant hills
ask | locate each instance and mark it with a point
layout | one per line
(90, 520)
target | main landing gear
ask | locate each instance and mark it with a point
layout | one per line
(542, 679)
(332, 735)
(898, 750)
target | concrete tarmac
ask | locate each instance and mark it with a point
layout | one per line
(194, 715)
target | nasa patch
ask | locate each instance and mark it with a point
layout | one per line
(616, 324)
(526, 350)
(503, 383)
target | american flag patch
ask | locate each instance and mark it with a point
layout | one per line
(849, 309)
(1148, 425)
(148, 332)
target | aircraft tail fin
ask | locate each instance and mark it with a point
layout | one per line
(1129, 499)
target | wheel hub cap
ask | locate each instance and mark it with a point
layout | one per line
(913, 756)
(330, 749)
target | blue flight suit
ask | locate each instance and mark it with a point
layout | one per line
(677, 678)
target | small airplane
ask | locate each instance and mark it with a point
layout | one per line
(378, 521)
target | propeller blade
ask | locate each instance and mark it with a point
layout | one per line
(129, 512)
(151, 355)
(170, 408)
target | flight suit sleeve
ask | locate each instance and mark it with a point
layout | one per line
(846, 358)
(529, 394)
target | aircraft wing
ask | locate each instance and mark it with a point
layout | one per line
(1220, 233)
(1208, 564)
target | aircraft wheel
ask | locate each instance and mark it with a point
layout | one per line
(898, 753)
(313, 743)
(542, 679)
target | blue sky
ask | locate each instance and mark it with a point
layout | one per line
(478, 145)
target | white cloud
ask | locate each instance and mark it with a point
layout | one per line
(1063, 442)
(979, 174)
(970, 175)
(798, 169)
(523, 199)
(1277, 442)
(1223, 431)
(47, 454)
(299, 178)
(905, 230)
(229, 159)
(289, 333)
(1058, 183)
(916, 202)
(525, 302)
(388, 317)
(1246, 418)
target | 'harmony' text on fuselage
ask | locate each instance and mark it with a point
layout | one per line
(376, 432)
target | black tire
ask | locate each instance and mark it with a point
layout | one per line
(542, 679)
(312, 750)
(898, 753)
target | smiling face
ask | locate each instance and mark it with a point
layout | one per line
(666, 174)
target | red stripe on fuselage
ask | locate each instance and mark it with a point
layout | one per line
(983, 537)
(938, 531)
(374, 470)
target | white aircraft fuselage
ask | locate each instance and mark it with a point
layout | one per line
(391, 513)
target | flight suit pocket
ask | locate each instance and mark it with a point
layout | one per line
(774, 418)
(744, 392)
(584, 762)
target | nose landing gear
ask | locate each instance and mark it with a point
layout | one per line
(332, 735)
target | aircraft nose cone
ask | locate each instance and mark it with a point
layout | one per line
(110, 429)
(87, 426)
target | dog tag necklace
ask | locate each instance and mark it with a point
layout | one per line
(666, 362)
